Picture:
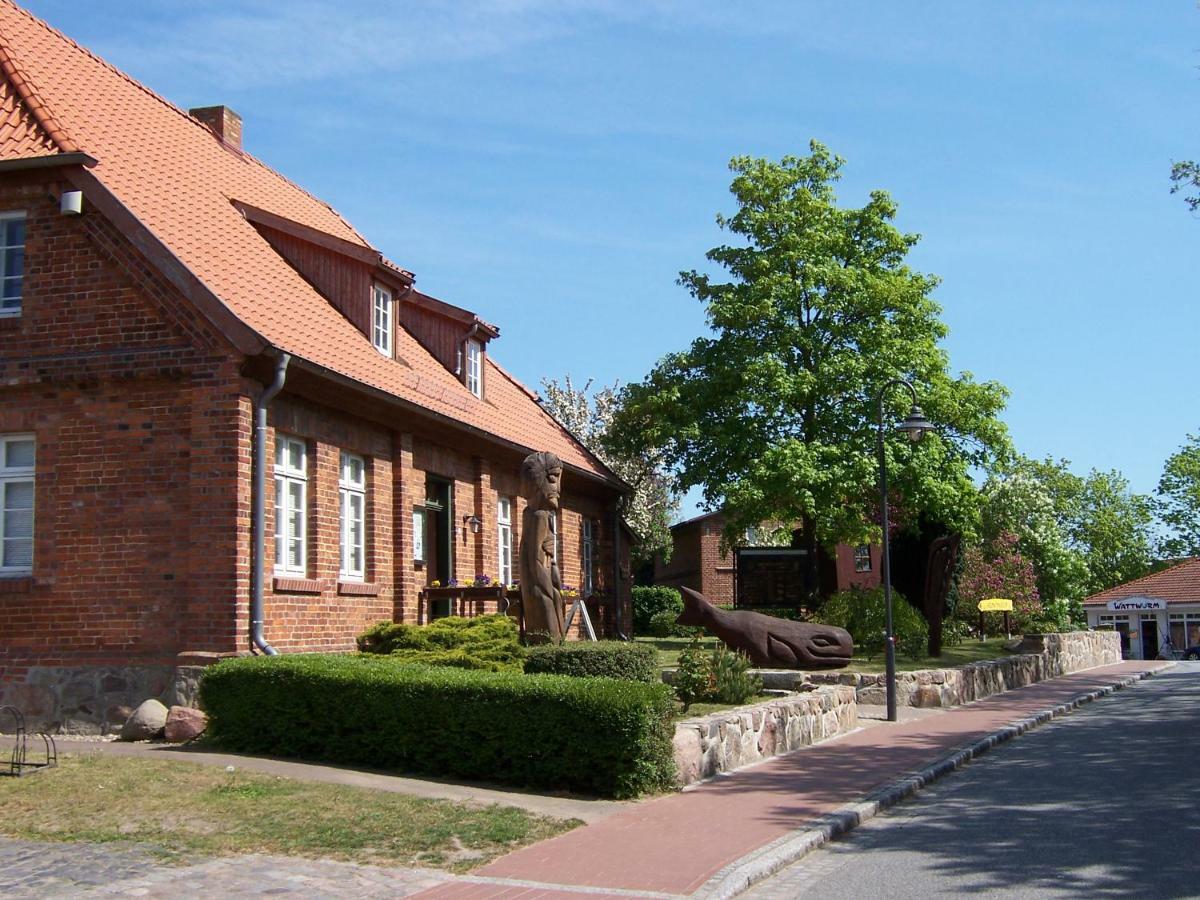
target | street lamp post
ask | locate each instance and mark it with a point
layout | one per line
(915, 425)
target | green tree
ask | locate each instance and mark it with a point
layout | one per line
(1185, 176)
(773, 415)
(1178, 500)
(1038, 502)
(588, 415)
(1113, 530)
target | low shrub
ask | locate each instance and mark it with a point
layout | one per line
(694, 679)
(592, 735)
(600, 659)
(864, 615)
(662, 625)
(733, 680)
(489, 642)
(955, 631)
(647, 601)
(718, 676)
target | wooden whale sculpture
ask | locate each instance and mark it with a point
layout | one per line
(770, 642)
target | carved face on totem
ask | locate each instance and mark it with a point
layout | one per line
(541, 480)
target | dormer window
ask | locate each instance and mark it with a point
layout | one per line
(381, 320)
(475, 367)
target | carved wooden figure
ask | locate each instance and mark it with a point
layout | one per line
(770, 642)
(541, 585)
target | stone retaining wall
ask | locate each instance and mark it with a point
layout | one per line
(728, 740)
(85, 699)
(1039, 657)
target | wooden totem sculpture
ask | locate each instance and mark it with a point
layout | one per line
(541, 584)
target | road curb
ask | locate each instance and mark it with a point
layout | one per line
(741, 874)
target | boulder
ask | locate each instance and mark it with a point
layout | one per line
(147, 722)
(184, 723)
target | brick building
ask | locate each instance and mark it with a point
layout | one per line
(158, 287)
(699, 562)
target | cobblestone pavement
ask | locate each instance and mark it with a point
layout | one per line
(30, 870)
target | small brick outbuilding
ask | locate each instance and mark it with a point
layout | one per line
(154, 279)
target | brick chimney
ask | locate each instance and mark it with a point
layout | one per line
(221, 121)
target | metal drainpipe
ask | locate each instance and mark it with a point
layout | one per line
(258, 503)
(618, 616)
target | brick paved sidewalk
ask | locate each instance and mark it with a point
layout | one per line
(673, 846)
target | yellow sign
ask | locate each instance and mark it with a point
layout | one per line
(995, 605)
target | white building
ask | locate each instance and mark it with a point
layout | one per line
(1148, 609)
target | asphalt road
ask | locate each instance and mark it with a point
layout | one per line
(1104, 802)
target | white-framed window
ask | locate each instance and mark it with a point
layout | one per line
(589, 556)
(12, 262)
(291, 505)
(381, 319)
(862, 558)
(1185, 630)
(475, 368)
(17, 460)
(504, 539)
(554, 530)
(352, 492)
(419, 534)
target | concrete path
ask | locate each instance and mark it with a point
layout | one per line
(715, 838)
(559, 806)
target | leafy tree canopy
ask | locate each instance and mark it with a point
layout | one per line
(1082, 534)
(1185, 176)
(1178, 497)
(1036, 502)
(589, 415)
(1113, 531)
(773, 414)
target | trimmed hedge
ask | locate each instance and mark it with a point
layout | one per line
(489, 642)
(601, 659)
(591, 735)
(650, 600)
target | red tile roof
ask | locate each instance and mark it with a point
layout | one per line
(182, 183)
(1178, 584)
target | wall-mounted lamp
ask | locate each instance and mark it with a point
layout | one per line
(474, 523)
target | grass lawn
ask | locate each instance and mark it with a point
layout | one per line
(966, 652)
(183, 810)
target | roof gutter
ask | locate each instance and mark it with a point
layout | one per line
(53, 161)
(259, 505)
(611, 481)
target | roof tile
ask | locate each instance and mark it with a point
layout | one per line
(1178, 584)
(181, 182)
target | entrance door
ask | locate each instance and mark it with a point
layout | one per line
(1149, 638)
(439, 545)
(1123, 631)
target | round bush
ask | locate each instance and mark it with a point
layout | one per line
(864, 615)
(648, 601)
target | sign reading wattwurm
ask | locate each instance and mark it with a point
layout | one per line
(1134, 604)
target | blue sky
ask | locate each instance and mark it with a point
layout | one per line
(553, 165)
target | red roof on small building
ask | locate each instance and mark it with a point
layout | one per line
(185, 186)
(1178, 584)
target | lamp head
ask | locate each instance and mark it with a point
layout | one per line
(915, 425)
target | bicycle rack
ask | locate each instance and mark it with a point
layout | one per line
(18, 763)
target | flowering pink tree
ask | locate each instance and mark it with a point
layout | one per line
(998, 569)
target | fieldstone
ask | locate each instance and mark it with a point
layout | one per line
(147, 722)
(184, 723)
(927, 696)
